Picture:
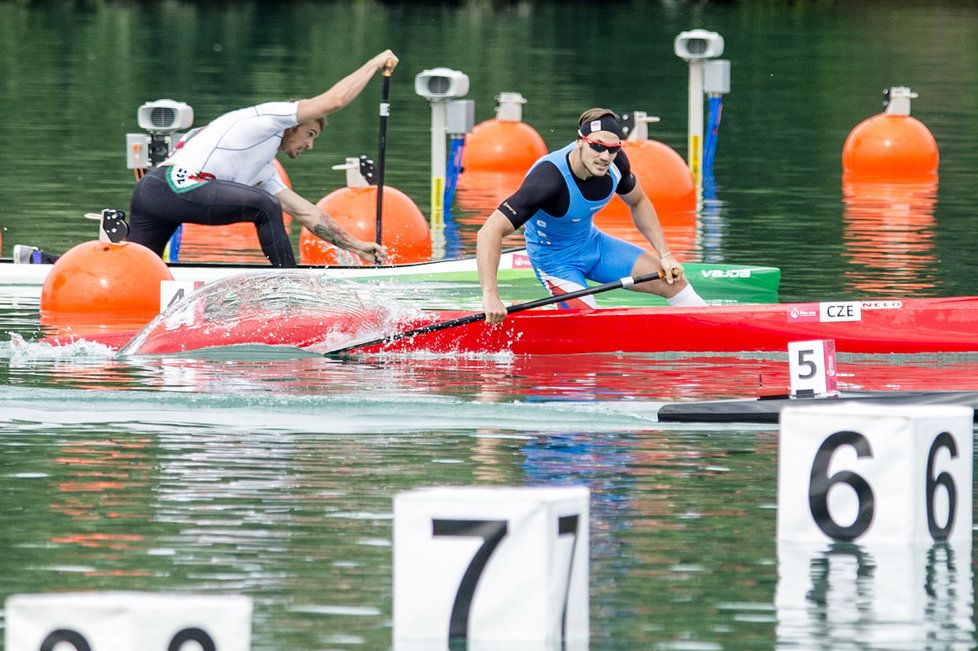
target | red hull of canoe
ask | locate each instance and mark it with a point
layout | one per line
(879, 326)
(894, 326)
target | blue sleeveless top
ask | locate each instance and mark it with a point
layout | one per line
(544, 230)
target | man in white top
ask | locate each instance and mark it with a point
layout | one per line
(224, 173)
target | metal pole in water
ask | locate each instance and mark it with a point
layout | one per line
(695, 47)
(438, 86)
(694, 143)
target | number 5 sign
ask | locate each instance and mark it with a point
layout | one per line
(873, 473)
(496, 565)
(811, 365)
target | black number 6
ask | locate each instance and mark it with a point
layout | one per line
(820, 483)
(68, 636)
(78, 641)
(943, 440)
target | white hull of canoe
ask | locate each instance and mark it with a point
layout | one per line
(36, 274)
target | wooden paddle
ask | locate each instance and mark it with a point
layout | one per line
(627, 281)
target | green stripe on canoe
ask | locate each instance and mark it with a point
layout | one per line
(717, 283)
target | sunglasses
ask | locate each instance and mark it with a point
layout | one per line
(600, 147)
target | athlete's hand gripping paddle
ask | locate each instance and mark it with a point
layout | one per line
(625, 282)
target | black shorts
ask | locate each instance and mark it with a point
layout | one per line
(159, 207)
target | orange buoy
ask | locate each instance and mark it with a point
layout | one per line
(891, 146)
(233, 243)
(505, 143)
(405, 230)
(664, 176)
(502, 146)
(104, 283)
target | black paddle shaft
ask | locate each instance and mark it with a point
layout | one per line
(627, 281)
(385, 109)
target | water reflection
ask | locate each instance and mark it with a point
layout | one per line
(479, 192)
(889, 236)
(485, 379)
(879, 597)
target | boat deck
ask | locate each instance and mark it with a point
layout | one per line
(768, 410)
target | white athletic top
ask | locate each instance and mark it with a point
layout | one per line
(240, 146)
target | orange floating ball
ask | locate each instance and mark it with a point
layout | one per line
(890, 148)
(502, 146)
(315, 251)
(233, 243)
(664, 176)
(103, 282)
(405, 230)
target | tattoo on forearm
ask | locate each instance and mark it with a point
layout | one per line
(323, 232)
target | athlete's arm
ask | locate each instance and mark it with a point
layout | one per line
(344, 91)
(325, 228)
(647, 222)
(540, 188)
(489, 243)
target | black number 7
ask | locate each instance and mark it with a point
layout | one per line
(567, 524)
(492, 532)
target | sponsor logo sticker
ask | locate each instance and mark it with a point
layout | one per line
(882, 305)
(725, 273)
(803, 312)
(521, 261)
(181, 179)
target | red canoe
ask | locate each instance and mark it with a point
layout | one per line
(874, 326)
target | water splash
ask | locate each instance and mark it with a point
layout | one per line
(279, 308)
(19, 350)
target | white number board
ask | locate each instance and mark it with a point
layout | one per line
(123, 621)
(491, 565)
(811, 365)
(873, 473)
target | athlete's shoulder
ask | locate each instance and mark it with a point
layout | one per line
(627, 181)
(276, 109)
(544, 172)
(622, 163)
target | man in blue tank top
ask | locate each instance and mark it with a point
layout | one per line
(557, 202)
